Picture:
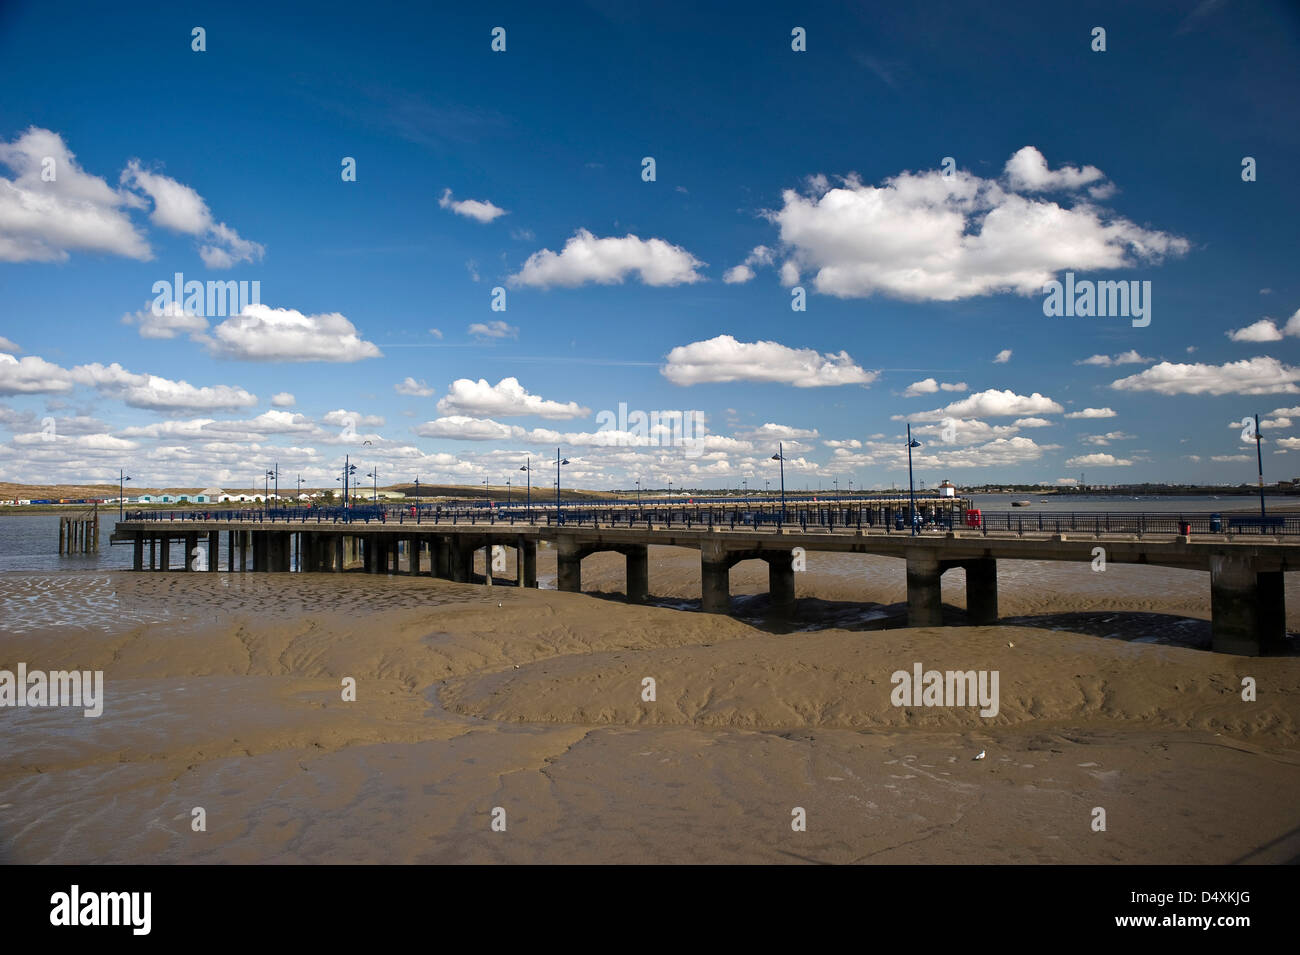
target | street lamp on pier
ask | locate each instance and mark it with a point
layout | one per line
(780, 456)
(558, 464)
(911, 488)
(528, 468)
(121, 491)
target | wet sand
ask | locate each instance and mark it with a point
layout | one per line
(224, 693)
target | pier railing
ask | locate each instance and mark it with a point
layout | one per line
(830, 516)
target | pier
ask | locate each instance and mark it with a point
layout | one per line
(1248, 612)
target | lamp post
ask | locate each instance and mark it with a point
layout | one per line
(528, 468)
(349, 469)
(836, 482)
(507, 492)
(121, 491)
(266, 493)
(417, 499)
(1259, 457)
(910, 487)
(298, 498)
(558, 464)
(638, 494)
(375, 494)
(780, 456)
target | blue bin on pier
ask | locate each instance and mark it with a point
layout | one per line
(1216, 523)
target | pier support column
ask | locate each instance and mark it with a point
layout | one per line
(191, 545)
(981, 591)
(413, 545)
(441, 557)
(165, 557)
(638, 574)
(487, 561)
(245, 543)
(1247, 608)
(368, 561)
(528, 557)
(780, 583)
(230, 551)
(259, 552)
(214, 551)
(568, 566)
(715, 578)
(924, 592)
(460, 560)
(153, 552)
(137, 552)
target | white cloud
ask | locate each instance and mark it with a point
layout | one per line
(761, 255)
(1266, 330)
(1222, 458)
(928, 386)
(1093, 413)
(465, 428)
(343, 418)
(723, 359)
(157, 393)
(32, 375)
(1002, 357)
(283, 399)
(990, 404)
(506, 398)
(586, 258)
(1130, 357)
(416, 389)
(169, 322)
(262, 333)
(180, 208)
(1250, 376)
(476, 209)
(497, 329)
(1032, 423)
(42, 221)
(1099, 460)
(922, 237)
(1027, 172)
(436, 333)
(1104, 439)
(8, 346)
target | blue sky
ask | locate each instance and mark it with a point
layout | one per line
(775, 170)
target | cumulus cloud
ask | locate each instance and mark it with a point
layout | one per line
(262, 333)
(743, 272)
(43, 221)
(1266, 330)
(180, 208)
(923, 237)
(1098, 460)
(1130, 357)
(416, 389)
(168, 322)
(1002, 357)
(466, 428)
(506, 398)
(8, 346)
(1250, 376)
(283, 399)
(1027, 172)
(990, 404)
(480, 210)
(497, 329)
(608, 261)
(724, 359)
(928, 386)
(1092, 413)
(1104, 439)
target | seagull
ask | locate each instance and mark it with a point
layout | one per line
(981, 755)
(365, 443)
(1010, 644)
